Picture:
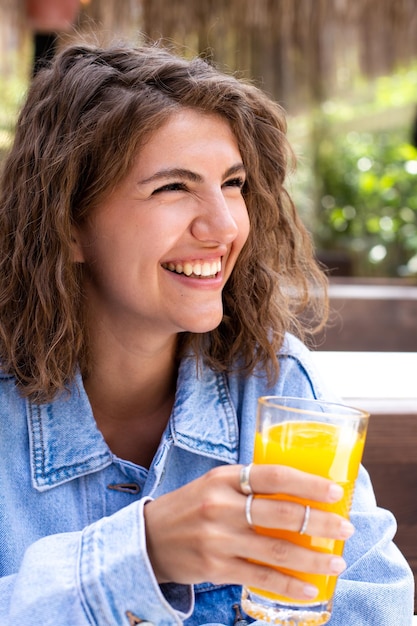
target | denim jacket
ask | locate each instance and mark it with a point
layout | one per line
(72, 539)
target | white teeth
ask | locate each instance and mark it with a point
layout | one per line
(206, 269)
(197, 268)
(188, 268)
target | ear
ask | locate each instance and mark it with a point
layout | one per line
(77, 248)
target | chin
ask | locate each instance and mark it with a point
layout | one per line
(206, 326)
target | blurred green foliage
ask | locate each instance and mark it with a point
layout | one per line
(368, 204)
(357, 178)
(12, 91)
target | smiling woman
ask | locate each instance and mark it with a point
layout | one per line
(153, 275)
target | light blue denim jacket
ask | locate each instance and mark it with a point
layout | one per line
(72, 539)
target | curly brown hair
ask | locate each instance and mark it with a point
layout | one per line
(83, 122)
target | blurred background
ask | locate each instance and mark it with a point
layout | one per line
(344, 70)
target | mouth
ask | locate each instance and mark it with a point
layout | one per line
(195, 269)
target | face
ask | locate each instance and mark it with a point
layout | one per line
(159, 250)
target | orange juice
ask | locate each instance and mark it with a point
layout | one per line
(331, 451)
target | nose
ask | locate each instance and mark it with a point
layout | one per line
(216, 220)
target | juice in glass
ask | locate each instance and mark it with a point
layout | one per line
(296, 444)
(321, 438)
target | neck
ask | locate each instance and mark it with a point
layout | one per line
(131, 393)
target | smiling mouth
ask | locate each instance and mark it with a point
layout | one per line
(195, 269)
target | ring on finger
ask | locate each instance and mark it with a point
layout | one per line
(306, 519)
(248, 512)
(244, 479)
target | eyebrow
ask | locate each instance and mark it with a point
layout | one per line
(178, 172)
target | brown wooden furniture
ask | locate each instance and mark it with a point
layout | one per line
(391, 459)
(371, 315)
(385, 384)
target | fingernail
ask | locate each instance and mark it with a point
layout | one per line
(346, 529)
(310, 591)
(337, 565)
(335, 493)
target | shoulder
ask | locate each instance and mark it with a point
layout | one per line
(298, 376)
(13, 420)
(298, 367)
(9, 392)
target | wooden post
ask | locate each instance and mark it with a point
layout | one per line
(46, 18)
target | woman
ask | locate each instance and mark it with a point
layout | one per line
(153, 275)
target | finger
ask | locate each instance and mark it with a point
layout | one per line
(273, 479)
(260, 576)
(286, 515)
(229, 505)
(284, 554)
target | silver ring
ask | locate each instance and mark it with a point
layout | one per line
(305, 520)
(244, 480)
(248, 513)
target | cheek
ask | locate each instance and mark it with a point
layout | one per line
(243, 223)
(244, 226)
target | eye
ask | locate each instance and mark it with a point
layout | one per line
(238, 182)
(170, 187)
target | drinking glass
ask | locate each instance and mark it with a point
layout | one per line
(322, 438)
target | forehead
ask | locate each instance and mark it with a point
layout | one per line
(189, 133)
(185, 119)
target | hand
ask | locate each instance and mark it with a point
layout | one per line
(200, 533)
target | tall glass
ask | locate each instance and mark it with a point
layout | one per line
(322, 438)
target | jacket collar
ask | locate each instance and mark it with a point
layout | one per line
(65, 442)
(204, 418)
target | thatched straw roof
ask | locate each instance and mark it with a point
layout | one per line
(297, 49)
